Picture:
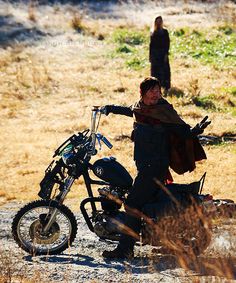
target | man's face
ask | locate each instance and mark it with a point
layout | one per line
(152, 96)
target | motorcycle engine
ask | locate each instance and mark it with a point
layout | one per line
(108, 223)
(111, 199)
(110, 227)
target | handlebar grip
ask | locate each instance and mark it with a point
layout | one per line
(107, 143)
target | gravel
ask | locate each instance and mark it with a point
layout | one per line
(83, 261)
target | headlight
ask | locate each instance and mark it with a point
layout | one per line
(67, 154)
(68, 158)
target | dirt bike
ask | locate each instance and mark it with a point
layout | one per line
(175, 221)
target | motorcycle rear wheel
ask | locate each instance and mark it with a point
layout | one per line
(28, 223)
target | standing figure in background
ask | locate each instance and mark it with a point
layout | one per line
(158, 54)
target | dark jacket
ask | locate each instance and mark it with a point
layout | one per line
(167, 143)
(159, 46)
(151, 138)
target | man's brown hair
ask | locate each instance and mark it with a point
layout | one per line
(147, 84)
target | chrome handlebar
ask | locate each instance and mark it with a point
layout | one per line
(96, 110)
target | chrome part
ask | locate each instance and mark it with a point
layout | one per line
(39, 237)
(31, 235)
(67, 157)
(93, 130)
(109, 225)
(51, 220)
(106, 191)
(100, 230)
(104, 140)
(96, 113)
(68, 183)
(53, 213)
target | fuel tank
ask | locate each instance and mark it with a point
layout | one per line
(109, 170)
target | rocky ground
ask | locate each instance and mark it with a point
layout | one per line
(83, 262)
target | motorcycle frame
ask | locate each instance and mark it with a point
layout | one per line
(91, 199)
(88, 180)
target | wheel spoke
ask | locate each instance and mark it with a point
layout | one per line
(30, 230)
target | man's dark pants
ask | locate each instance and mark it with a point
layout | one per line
(144, 190)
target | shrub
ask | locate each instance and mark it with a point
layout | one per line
(124, 48)
(204, 102)
(226, 30)
(77, 23)
(124, 36)
(179, 32)
(136, 63)
(175, 91)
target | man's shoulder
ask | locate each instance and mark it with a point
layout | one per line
(163, 101)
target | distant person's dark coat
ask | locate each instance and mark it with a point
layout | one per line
(158, 56)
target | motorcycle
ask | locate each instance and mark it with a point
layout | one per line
(175, 221)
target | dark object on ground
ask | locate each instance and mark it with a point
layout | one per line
(118, 254)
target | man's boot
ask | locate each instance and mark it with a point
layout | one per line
(118, 253)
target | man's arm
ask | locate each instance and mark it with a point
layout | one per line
(121, 110)
(182, 130)
(185, 131)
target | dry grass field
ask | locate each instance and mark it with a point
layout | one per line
(57, 61)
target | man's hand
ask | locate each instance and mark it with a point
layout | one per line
(105, 109)
(199, 128)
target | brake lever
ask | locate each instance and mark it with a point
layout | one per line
(99, 138)
(105, 140)
(107, 143)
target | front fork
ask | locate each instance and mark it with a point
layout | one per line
(53, 211)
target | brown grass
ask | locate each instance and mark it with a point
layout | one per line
(13, 269)
(47, 91)
(77, 22)
(31, 11)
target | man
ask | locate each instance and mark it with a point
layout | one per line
(157, 126)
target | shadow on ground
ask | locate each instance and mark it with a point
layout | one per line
(12, 32)
(224, 267)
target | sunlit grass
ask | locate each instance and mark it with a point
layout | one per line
(215, 46)
(47, 92)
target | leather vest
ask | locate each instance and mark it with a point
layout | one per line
(150, 144)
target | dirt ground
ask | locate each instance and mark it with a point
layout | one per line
(83, 261)
(51, 76)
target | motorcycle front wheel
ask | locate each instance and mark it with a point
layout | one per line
(28, 224)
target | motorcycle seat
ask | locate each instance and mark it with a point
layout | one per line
(192, 188)
(168, 203)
